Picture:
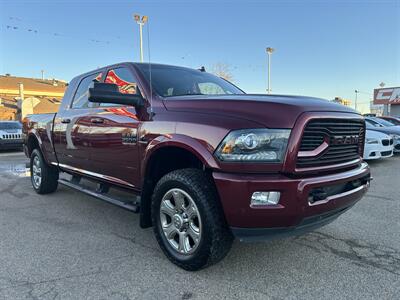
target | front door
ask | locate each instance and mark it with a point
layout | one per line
(72, 128)
(114, 132)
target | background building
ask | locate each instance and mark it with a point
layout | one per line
(20, 96)
(389, 98)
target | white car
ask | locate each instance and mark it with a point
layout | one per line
(377, 145)
(385, 127)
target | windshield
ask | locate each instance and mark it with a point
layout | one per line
(170, 81)
(10, 125)
(384, 122)
(373, 123)
(368, 125)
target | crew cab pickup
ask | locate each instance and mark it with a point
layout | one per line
(202, 161)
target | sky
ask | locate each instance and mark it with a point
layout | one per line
(323, 48)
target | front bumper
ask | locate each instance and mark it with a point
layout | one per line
(294, 211)
(377, 151)
(306, 225)
(10, 144)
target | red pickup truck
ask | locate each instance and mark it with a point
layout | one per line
(202, 161)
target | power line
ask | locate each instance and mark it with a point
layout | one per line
(54, 34)
(27, 27)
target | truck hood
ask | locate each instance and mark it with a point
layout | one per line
(6, 131)
(274, 111)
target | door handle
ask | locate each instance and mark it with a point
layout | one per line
(97, 120)
(65, 121)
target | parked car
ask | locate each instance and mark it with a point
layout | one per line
(377, 145)
(207, 162)
(393, 120)
(10, 135)
(385, 127)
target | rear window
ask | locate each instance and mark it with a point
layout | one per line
(10, 125)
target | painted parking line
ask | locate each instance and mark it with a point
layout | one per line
(7, 154)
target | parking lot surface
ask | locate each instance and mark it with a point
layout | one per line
(70, 246)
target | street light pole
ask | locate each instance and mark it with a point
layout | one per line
(141, 41)
(269, 52)
(355, 102)
(141, 22)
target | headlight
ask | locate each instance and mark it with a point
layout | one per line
(263, 145)
(372, 141)
(396, 137)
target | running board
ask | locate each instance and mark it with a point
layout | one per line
(100, 194)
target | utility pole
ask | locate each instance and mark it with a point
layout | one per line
(269, 52)
(141, 21)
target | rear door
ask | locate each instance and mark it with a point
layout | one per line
(72, 127)
(114, 134)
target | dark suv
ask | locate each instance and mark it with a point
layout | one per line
(10, 135)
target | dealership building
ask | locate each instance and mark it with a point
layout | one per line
(390, 99)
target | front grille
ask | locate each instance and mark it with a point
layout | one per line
(386, 153)
(386, 142)
(345, 139)
(11, 136)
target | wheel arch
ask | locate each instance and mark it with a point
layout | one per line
(166, 154)
(33, 142)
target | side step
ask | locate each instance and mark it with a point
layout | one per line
(100, 193)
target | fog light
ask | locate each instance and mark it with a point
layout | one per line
(265, 198)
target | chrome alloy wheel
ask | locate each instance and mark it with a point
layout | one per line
(180, 221)
(36, 172)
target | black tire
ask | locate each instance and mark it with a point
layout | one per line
(216, 238)
(49, 175)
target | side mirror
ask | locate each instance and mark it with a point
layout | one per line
(109, 93)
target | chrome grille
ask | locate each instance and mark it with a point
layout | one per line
(345, 139)
(11, 136)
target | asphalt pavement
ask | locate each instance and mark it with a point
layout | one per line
(68, 245)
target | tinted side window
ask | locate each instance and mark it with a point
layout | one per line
(82, 93)
(125, 80)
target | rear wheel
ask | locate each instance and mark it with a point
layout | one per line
(188, 221)
(44, 178)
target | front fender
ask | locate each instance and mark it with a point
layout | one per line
(203, 152)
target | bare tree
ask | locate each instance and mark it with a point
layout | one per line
(222, 70)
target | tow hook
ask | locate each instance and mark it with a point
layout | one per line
(317, 195)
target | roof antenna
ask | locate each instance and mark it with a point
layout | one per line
(151, 85)
(202, 69)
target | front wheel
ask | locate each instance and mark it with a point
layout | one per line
(44, 178)
(188, 221)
